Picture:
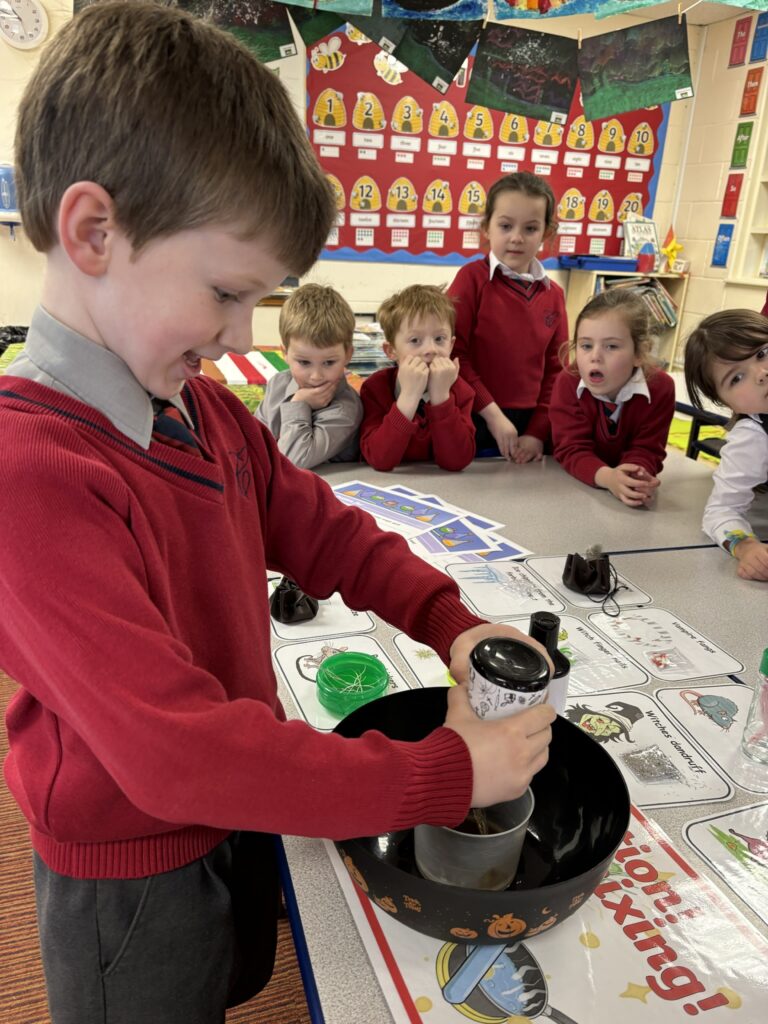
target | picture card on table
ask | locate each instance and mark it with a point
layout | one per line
(661, 765)
(409, 516)
(714, 715)
(508, 588)
(668, 647)
(597, 664)
(655, 942)
(298, 665)
(735, 845)
(423, 662)
(550, 569)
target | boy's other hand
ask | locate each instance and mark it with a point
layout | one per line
(506, 753)
(529, 449)
(317, 398)
(443, 372)
(753, 559)
(461, 648)
(413, 377)
(623, 484)
(504, 434)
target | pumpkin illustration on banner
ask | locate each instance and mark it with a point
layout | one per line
(437, 198)
(330, 111)
(601, 207)
(444, 121)
(581, 134)
(631, 206)
(368, 115)
(514, 128)
(328, 56)
(572, 205)
(472, 198)
(408, 117)
(642, 140)
(478, 123)
(365, 194)
(547, 133)
(612, 137)
(389, 68)
(338, 191)
(402, 197)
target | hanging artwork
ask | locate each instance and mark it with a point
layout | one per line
(751, 92)
(732, 193)
(261, 25)
(739, 42)
(449, 10)
(504, 10)
(741, 144)
(532, 74)
(411, 168)
(337, 6)
(635, 67)
(312, 25)
(435, 50)
(759, 40)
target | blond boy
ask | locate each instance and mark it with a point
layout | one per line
(165, 176)
(420, 410)
(310, 408)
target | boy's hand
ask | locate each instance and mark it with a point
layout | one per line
(443, 372)
(646, 483)
(624, 484)
(529, 449)
(413, 377)
(504, 434)
(461, 648)
(506, 753)
(317, 398)
(753, 559)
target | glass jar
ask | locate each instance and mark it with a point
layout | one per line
(754, 741)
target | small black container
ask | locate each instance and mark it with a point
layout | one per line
(545, 627)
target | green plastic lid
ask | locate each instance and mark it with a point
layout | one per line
(347, 681)
(764, 662)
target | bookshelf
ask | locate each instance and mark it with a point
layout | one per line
(583, 284)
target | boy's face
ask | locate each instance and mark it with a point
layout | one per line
(188, 296)
(311, 367)
(516, 229)
(743, 385)
(426, 338)
(605, 354)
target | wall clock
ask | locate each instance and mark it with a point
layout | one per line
(23, 23)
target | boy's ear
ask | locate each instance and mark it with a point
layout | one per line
(86, 226)
(389, 351)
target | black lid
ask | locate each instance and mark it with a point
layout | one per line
(510, 663)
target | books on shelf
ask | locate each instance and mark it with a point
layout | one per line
(661, 306)
(640, 231)
(368, 354)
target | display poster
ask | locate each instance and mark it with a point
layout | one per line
(759, 49)
(722, 245)
(740, 41)
(741, 144)
(751, 92)
(448, 10)
(732, 193)
(411, 166)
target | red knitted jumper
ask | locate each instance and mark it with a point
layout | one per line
(580, 433)
(508, 338)
(441, 433)
(135, 619)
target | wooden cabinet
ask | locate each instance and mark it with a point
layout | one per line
(583, 284)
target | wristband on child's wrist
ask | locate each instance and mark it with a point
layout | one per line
(734, 537)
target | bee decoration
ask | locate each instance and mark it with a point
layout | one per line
(328, 56)
(389, 68)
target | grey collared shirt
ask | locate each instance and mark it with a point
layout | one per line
(68, 362)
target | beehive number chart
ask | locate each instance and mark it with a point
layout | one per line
(411, 165)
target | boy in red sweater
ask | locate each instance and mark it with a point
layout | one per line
(148, 748)
(419, 410)
(611, 408)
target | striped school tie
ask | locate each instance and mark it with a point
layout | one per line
(610, 408)
(169, 428)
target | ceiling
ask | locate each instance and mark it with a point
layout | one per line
(701, 14)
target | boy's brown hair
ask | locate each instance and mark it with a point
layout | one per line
(628, 303)
(319, 315)
(179, 123)
(412, 304)
(731, 335)
(530, 185)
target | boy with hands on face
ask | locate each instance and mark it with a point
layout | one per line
(419, 410)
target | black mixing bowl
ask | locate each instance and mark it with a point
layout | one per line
(581, 815)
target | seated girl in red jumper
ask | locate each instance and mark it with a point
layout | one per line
(419, 410)
(511, 321)
(611, 410)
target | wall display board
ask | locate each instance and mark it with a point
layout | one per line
(411, 164)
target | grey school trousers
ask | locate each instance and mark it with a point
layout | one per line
(174, 948)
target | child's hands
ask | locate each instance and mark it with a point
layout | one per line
(624, 484)
(412, 376)
(443, 372)
(646, 483)
(504, 434)
(461, 648)
(506, 753)
(317, 398)
(529, 449)
(753, 559)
